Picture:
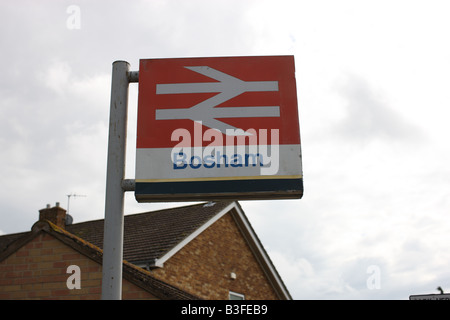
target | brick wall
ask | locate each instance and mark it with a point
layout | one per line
(204, 265)
(38, 270)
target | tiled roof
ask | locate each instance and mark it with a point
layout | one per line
(6, 239)
(149, 235)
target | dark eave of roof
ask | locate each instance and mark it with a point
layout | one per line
(6, 239)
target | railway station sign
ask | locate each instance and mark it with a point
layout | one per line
(218, 128)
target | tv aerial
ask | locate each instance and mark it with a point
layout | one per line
(68, 201)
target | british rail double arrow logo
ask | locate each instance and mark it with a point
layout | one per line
(207, 111)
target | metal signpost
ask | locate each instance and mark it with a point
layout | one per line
(114, 199)
(208, 129)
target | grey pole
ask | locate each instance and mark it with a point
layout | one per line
(114, 200)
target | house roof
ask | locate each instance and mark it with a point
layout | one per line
(151, 238)
(150, 235)
(138, 276)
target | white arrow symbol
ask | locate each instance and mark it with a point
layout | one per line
(228, 87)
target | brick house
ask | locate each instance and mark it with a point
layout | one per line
(202, 251)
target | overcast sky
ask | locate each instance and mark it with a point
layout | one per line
(373, 81)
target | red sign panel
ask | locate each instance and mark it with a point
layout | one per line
(214, 128)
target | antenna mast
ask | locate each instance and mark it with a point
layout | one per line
(72, 195)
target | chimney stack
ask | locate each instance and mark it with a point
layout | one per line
(55, 215)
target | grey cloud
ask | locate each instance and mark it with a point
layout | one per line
(369, 116)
